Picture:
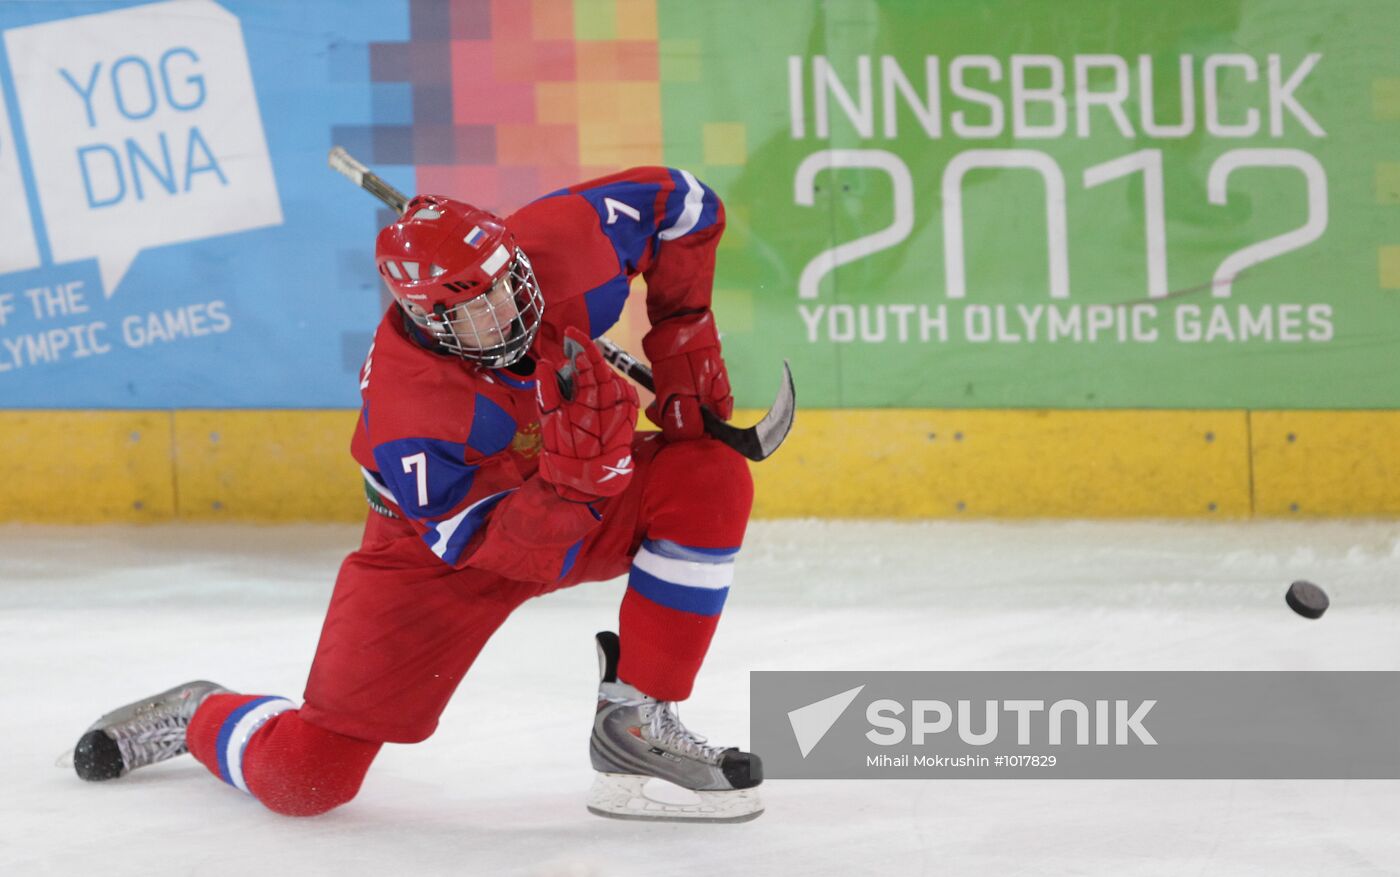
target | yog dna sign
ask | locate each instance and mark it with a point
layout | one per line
(142, 130)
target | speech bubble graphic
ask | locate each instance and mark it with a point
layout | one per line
(20, 251)
(143, 130)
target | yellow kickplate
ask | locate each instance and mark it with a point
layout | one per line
(981, 463)
(1326, 463)
(81, 467)
(96, 466)
(267, 466)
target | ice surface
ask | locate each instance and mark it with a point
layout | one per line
(91, 618)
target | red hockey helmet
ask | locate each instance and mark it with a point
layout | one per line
(457, 272)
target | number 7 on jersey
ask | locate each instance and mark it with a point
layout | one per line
(417, 464)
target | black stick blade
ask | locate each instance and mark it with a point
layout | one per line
(758, 442)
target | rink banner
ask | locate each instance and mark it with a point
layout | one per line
(1076, 725)
(1076, 259)
(172, 237)
(1107, 205)
(1077, 204)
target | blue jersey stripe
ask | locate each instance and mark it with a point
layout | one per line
(511, 380)
(605, 304)
(627, 217)
(492, 428)
(674, 219)
(444, 472)
(570, 557)
(463, 528)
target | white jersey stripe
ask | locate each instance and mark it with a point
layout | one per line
(446, 528)
(243, 732)
(690, 215)
(712, 576)
(373, 480)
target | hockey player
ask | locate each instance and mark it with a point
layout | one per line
(501, 462)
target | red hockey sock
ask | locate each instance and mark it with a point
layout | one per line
(262, 746)
(697, 507)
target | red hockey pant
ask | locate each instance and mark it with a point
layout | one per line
(403, 629)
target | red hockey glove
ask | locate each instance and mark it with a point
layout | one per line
(587, 432)
(689, 372)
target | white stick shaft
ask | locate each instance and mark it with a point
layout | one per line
(344, 163)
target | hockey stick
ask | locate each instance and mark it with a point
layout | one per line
(344, 163)
(757, 442)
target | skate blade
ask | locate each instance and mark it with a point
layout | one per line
(630, 796)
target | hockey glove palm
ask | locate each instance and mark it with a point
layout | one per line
(689, 373)
(586, 429)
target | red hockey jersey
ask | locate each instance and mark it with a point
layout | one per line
(453, 447)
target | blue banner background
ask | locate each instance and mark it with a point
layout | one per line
(300, 298)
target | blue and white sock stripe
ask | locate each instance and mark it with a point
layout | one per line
(238, 729)
(686, 583)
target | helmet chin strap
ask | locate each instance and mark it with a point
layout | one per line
(441, 326)
(440, 329)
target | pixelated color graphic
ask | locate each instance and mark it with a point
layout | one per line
(511, 99)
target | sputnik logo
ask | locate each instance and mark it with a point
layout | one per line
(811, 722)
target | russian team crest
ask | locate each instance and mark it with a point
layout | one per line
(527, 441)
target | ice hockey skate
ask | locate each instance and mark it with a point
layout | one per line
(148, 731)
(650, 766)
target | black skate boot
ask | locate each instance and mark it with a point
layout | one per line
(140, 733)
(638, 739)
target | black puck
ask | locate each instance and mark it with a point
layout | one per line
(1307, 599)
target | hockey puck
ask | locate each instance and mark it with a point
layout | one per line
(1307, 599)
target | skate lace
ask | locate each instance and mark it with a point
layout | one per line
(151, 738)
(666, 729)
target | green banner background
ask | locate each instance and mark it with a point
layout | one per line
(1322, 315)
